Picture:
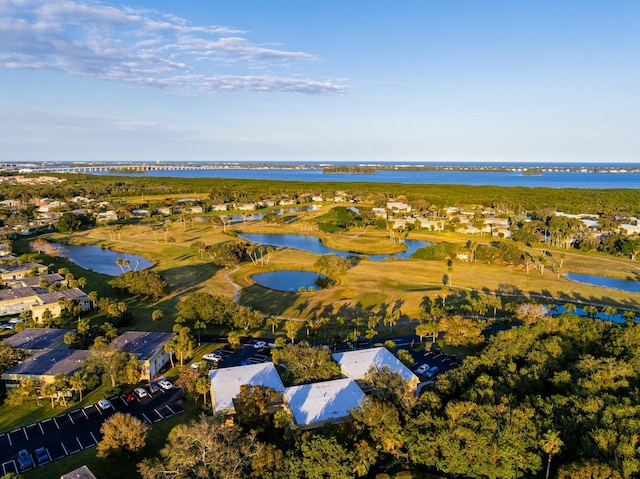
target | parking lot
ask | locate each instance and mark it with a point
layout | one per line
(79, 429)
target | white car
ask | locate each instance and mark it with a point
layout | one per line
(212, 357)
(422, 369)
(165, 384)
(260, 344)
(104, 404)
(7, 326)
(16, 320)
(153, 388)
(195, 365)
(140, 392)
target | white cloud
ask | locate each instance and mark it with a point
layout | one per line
(144, 47)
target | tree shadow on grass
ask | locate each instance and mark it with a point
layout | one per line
(185, 278)
(267, 300)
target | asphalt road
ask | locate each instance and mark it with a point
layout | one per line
(79, 429)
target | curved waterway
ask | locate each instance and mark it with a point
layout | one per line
(312, 244)
(94, 258)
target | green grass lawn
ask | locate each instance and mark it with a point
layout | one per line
(12, 417)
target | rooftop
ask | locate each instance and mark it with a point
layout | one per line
(143, 345)
(16, 293)
(315, 404)
(71, 294)
(37, 338)
(35, 280)
(51, 362)
(226, 382)
(82, 472)
(356, 364)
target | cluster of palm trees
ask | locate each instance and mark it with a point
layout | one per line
(122, 263)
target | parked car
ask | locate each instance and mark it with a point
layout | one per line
(422, 369)
(104, 404)
(7, 326)
(42, 456)
(260, 344)
(165, 384)
(153, 388)
(195, 365)
(212, 357)
(432, 372)
(24, 459)
(140, 392)
(130, 397)
(15, 320)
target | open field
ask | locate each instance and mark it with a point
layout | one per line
(371, 287)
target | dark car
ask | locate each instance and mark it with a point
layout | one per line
(42, 456)
(24, 459)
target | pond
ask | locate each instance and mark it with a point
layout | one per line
(579, 311)
(94, 258)
(312, 244)
(289, 280)
(628, 285)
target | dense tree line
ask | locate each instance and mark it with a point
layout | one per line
(624, 202)
(557, 395)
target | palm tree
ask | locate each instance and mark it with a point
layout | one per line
(137, 264)
(551, 444)
(127, 263)
(273, 322)
(610, 311)
(390, 319)
(591, 310)
(570, 308)
(119, 263)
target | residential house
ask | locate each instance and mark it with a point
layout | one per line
(19, 271)
(398, 206)
(356, 364)
(44, 365)
(148, 348)
(107, 216)
(81, 473)
(226, 382)
(327, 402)
(16, 300)
(52, 303)
(34, 340)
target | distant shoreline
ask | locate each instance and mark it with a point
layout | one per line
(142, 167)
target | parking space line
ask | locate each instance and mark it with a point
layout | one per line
(79, 443)
(9, 437)
(70, 418)
(25, 433)
(172, 411)
(4, 468)
(41, 430)
(93, 437)
(160, 415)
(56, 423)
(66, 453)
(146, 418)
(85, 414)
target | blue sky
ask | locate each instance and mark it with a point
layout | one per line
(331, 80)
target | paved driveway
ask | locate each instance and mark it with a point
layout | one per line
(79, 429)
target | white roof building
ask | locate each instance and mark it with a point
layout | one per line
(226, 382)
(316, 404)
(356, 364)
